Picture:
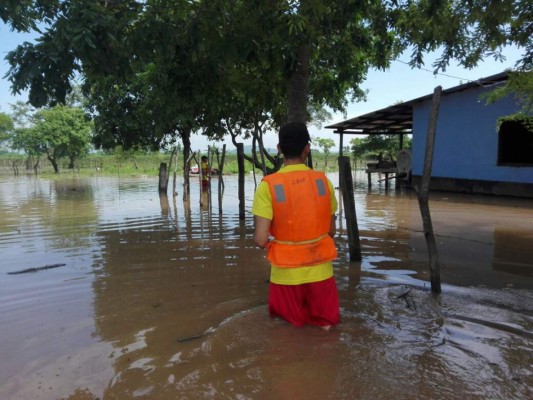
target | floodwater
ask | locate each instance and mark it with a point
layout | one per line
(167, 300)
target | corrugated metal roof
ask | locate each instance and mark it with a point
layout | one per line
(398, 118)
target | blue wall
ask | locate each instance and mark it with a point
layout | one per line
(466, 145)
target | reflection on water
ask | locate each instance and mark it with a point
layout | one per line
(165, 299)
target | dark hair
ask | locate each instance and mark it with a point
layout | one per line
(204, 158)
(293, 137)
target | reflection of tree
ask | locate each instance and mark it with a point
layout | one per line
(165, 206)
(65, 208)
(384, 237)
(74, 204)
(160, 285)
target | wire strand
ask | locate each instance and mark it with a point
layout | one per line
(440, 73)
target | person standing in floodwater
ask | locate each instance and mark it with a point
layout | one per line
(294, 211)
(206, 173)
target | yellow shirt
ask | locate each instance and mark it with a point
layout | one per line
(205, 171)
(262, 207)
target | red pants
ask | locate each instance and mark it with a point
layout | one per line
(314, 303)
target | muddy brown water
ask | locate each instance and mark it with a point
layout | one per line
(167, 300)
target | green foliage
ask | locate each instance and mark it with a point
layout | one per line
(525, 120)
(24, 14)
(57, 132)
(520, 86)
(23, 114)
(21, 138)
(156, 71)
(6, 126)
(324, 143)
(466, 31)
(378, 146)
(122, 116)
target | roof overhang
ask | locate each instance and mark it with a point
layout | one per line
(398, 118)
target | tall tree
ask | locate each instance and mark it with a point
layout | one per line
(325, 145)
(6, 127)
(57, 132)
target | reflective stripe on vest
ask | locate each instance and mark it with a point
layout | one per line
(301, 219)
(279, 190)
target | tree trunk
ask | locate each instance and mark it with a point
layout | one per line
(298, 86)
(163, 178)
(186, 139)
(346, 184)
(54, 163)
(174, 190)
(220, 179)
(240, 163)
(15, 168)
(172, 154)
(36, 165)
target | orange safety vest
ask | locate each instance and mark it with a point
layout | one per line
(301, 219)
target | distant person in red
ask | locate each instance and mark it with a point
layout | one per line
(206, 173)
(294, 212)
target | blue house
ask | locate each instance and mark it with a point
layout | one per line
(471, 153)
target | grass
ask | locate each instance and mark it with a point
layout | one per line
(133, 164)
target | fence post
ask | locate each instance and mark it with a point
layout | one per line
(423, 194)
(163, 181)
(346, 185)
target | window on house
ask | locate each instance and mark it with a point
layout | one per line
(515, 144)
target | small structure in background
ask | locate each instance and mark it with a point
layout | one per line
(472, 154)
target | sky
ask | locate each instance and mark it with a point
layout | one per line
(399, 83)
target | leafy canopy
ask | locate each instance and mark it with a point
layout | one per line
(58, 132)
(180, 66)
(6, 126)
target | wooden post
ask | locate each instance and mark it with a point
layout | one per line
(346, 184)
(240, 163)
(186, 178)
(163, 180)
(174, 189)
(220, 179)
(423, 194)
(200, 175)
(163, 201)
(341, 143)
